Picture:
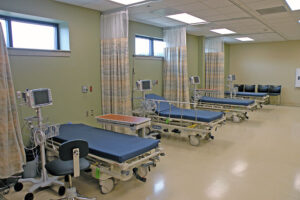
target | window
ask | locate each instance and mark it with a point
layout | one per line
(159, 48)
(30, 34)
(147, 46)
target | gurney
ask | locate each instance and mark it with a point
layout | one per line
(260, 98)
(113, 156)
(235, 109)
(191, 123)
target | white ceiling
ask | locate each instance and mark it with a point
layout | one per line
(239, 16)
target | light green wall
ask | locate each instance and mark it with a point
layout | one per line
(64, 75)
(271, 63)
(192, 54)
(145, 68)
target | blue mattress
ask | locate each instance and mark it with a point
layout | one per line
(197, 115)
(107, 144)
(240, 102)
(249, 94)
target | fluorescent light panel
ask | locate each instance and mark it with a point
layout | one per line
(293, 4)
(187, 18)
(244, 39)
(223, 31)
(127, 2)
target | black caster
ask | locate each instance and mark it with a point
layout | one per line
(66, 178)
(61, 190)
(29, 196)
(18, 186)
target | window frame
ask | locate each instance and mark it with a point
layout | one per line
(151, 45)
(8, 20)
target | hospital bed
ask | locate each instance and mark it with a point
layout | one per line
(168, 118)
(113, 156)
(260, 98)
(235, 109)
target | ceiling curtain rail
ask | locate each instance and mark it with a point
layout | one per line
(127, 6)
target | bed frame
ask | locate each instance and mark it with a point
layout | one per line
(109, 172)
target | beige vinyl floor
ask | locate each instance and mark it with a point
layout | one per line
(258, 159)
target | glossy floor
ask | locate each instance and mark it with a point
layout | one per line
(257, 159)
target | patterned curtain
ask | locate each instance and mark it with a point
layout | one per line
(12, 154)
(175, 74)
(214, 66)
(115, 73)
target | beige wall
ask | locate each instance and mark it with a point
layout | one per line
(64, 75)
(268, 63)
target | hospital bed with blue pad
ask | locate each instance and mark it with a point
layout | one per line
(191, 123)
(260, 98)
(235, 109)
(113, 156)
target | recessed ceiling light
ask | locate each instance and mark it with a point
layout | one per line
(293, 4)
(127, 2)
(187, 18)
(244, 39)
(223, 31)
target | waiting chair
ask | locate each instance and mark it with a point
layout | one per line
(70, 162)
(263, 88)
(250, 88)
(275, 90)
(240, 87)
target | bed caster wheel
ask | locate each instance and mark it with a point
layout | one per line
(142, 171)
(106, 186)
(29, 196)
(61, 190)
(194, 140)
(6, 191)
(236, 119)
(209, 136)
(18, 186)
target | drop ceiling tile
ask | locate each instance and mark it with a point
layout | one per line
(75, 2)
(217, 3)
(265, 4)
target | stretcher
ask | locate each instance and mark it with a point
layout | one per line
(114, 156)
(235, 109)
(260, 98)
(170, 119)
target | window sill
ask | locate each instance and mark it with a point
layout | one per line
(38, 52)
(148, 57)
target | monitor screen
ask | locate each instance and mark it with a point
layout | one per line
(146, 85)
(196, 79)
(41, 97)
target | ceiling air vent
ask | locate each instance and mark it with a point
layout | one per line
(267, 11)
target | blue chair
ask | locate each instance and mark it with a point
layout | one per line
(240, 87)
(263, 88)
(275, 90)
(250, 88)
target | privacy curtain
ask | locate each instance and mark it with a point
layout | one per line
(214, 66)
(175, 74)
(12, 155)
(116, 96)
